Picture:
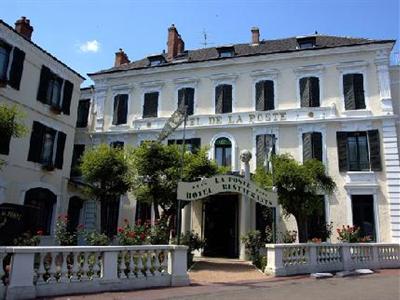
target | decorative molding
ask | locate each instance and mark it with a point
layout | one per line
(316, 127)
(223, 77)
(351, 65)
(357, 126)
(309, 70)
(157, 84)
(186, 80)
(270, 73)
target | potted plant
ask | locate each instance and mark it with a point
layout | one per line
(194, 242)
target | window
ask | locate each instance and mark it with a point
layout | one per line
(109, 216)
(83, 113)
(76, 160)
(226, 52)
(74, 213)
(265, 148)
(353, 90)
(312, 146)
(143, 212)
(120, 109)
(117, 144)
(223, 152)
(306, 42)
(47, 146)
(186, 97)
(156, 60)
(309, 92)
(363, 214)
(193, 145)
(265, 95)
(359, 151)
(223, 99)
(11, 74)
(39, 203)
(150, 106)
(55, 91)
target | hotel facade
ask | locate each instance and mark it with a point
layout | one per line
(316, 96)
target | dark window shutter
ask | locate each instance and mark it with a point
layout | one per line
(348, 91)
(17, 67)
(196, 143)
(260, 96)
(359, 91)
(260, 150)
(314, 92)
(150, 105)
(66, 103)
(227, 99)
(181, 98)
(115, 113)
(45, 76)
(117, 144)
(171, 142)
(83, 113)
(123, 109)
(190, 101)
(375, 150)
(219, 99)
(77, 153)
(317, 145)
(36, 142)
(5, 144)
(304, 92)
(307, 146)
(341, 138)
(61, 137)
(269, 93)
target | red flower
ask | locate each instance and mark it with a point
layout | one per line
(142, 236)
(132, 234)
(39, 232)
(138, 221)
(80, 227)
(120, 229)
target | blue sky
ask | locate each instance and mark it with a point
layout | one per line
(85, 34)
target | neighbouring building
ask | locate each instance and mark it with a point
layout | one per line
(315, 96)
(34, 181)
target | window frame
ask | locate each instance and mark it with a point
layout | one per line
(5, 45)
(114, 98)
(354, 67)
(78, 124)
(259, 79)
(234, 155)
(319, 91)
(187, 86)
(310, 71)
(306, 128)
(219, 79)
(215, 96)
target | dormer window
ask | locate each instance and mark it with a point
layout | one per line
(226, 52)
(156, 60)
(306, 42)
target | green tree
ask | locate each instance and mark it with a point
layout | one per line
(107, 172)
(298, 186)
(11, 124)
(157, 170)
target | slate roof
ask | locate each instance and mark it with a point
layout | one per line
(41, 49)
(242, 50)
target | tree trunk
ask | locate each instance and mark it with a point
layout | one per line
(302, 227)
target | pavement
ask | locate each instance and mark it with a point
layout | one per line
(236, 280)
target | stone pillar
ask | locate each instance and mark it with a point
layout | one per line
(186, 218)
(177, 266)
(245, 205)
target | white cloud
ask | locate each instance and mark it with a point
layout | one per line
(90, 46)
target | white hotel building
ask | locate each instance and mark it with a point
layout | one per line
(323, 97)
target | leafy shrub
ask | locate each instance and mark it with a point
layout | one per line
(63, 236)
(28, 239)
(137, 234)
(192, 240)
(92, 237)
(351, 234)
(253, 242)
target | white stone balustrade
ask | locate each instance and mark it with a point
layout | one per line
(29, 272)
(291, 259)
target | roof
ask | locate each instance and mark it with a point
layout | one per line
(41, 49)
(242, 50)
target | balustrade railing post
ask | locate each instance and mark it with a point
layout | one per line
(21, 277)
(275, 264)
(313, 267)
(346, 257)
(109, 267)
(177, 266)
(375, 263)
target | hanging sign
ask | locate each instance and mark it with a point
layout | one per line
(191, 191)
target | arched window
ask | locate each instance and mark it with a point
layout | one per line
(39, 203)
(223, 151)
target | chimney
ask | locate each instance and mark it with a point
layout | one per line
(175, 43)
(121, 58)
(255, 35)
(24, 28)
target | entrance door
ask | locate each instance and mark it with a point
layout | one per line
(363, 214)
(221, 226)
